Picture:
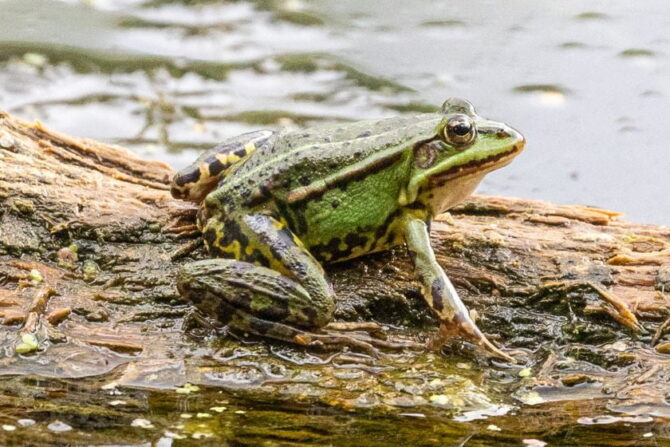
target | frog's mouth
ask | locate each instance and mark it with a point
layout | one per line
(479, 167)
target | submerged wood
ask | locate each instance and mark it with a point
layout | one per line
(87, 236)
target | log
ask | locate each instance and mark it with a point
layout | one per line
(90, 242)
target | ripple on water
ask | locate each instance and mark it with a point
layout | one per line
(637, 53)
(572, 45)
(592, 15)
(450, 23)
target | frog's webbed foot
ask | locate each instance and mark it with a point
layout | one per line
(440, 293)
(463, 326)
(335, 341)
(371, 333)
(359, 335)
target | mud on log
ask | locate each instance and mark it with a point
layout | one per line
(87, 232)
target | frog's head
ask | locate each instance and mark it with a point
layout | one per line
(448, 166)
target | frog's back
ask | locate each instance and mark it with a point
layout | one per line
(337, 187)
(298, 158)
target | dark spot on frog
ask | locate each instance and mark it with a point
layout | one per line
(260, 327)
(241, 268)
(416, 206)
(335, 203)
(304, 180)
(299, 269)
(258, 258)
(310, 315)
(240, 152)
(240, 298)
(436, 292)
(210, 237)
(329, 251)
(191, 176)
(354, 240)
(277, 311)
(258, 196)
(224, 312)
(286, 213)
(231, 233)
(364, 134)
(215, 166)
(300, 222)
(381, 231)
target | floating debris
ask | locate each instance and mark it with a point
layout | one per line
(142, 423)
(35, 276)
(59, 426)
(28, 344)
(187, 389)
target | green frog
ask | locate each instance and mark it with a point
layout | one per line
(276, 206)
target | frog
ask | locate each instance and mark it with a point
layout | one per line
(276, 206)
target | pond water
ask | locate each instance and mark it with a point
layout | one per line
(588, 83)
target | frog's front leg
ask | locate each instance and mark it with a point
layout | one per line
(273, 288)
(438, 290)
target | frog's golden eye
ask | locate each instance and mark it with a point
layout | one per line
(460, 130)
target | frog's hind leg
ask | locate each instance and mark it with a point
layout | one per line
(260, 301)
(275, 288)
(194, 182)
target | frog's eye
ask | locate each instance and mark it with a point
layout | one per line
(460, 130)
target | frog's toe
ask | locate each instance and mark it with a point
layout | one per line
(462, 325)
(329, 341)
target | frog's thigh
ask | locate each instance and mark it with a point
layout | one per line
(295, 291)
(270, 242)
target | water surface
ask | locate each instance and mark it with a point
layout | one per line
(588, 83)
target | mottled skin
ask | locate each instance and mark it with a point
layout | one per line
(287, 202)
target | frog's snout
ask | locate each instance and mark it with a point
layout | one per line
(520, 140)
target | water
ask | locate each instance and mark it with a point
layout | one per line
(588, 83)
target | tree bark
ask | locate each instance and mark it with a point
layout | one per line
(90, 242)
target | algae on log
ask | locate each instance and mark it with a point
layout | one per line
(87, 289)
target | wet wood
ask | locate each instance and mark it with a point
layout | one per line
(90, 242)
